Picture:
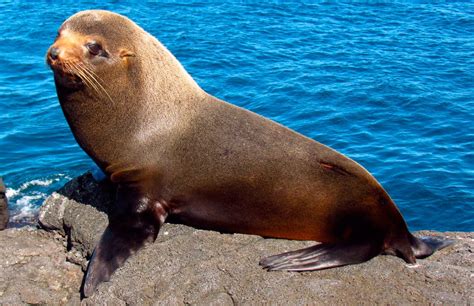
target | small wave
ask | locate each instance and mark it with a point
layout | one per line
(25, 200)
(38, 183)
(27, 207)
(12, 193)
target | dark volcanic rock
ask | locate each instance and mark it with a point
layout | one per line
(3, 206)
(79, 211)
(189, 266)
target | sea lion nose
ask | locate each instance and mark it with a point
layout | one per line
(54, 53)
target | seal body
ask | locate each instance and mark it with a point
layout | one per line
(178, 153)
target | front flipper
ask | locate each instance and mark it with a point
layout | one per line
(134, 223)
(321, 256)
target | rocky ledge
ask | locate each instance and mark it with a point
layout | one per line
(189, 266)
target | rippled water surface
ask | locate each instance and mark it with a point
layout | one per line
(391, 86)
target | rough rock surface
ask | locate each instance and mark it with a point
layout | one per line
(34, 270)
(189, 266)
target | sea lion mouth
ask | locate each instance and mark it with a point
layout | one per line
(75, 74)
(72, 72)
(65, 75)
(65, 71)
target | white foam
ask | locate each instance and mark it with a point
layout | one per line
(38, 183)
(27, 206)
(24, 200)
(27, 199)
(64, 176)
(11, 193)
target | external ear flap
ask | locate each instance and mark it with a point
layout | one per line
(125, 55)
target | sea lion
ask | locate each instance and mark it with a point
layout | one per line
(3, 206)
(177, 153)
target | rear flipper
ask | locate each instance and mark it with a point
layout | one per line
(425, 246)
(322, 256)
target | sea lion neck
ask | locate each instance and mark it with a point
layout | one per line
(159, 69)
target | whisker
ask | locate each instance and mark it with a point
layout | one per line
(82, 76)
(94, 77)
(90, 81)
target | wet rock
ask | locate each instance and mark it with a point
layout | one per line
(3, 206)
(189, 266)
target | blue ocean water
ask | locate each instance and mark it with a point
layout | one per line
(389, 85)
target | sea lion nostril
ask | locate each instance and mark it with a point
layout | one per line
(54, 53)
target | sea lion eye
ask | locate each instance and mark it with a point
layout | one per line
(94, 48)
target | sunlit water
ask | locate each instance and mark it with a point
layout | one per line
(391, 86)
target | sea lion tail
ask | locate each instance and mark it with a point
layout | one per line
(425, 246)
(321, 256)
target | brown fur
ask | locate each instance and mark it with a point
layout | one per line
(177, 151)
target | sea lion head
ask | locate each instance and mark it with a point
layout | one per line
(115, 82)
(91, 45)
(103, 54)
